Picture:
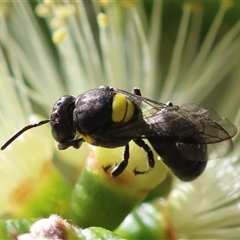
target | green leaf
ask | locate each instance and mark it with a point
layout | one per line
(11, 228)
(99, 233)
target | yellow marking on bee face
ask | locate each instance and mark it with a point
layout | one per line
(122, 108)
(88, 139)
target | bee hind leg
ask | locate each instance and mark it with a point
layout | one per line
(123, 164)
(150, 157)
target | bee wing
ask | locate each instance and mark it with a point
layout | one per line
(218, 150)
(211, 126)
(190, 123)
(204, 152)
(200, 134)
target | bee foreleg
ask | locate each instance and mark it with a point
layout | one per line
(123, 164)
(150, 157)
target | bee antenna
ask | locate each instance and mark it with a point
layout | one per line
(17, 134)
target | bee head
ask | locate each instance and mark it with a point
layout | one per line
(61, 122)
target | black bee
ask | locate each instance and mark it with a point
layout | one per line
(185, 137)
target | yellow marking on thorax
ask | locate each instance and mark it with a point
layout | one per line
(122, 108)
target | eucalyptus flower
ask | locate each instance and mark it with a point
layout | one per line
(178, 51)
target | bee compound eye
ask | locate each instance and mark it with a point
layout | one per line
(61, 119)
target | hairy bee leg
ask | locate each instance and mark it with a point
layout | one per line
(136, 91)
(123, 164)
(150, 157)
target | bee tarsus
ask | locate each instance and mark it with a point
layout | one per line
(150, 157)
(123, 164)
